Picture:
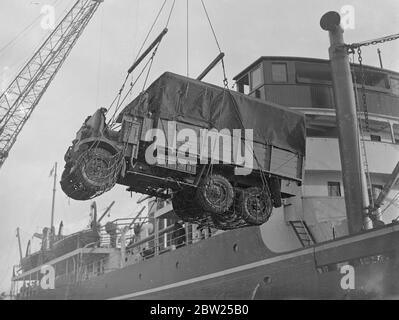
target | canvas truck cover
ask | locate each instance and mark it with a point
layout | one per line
(177, 98)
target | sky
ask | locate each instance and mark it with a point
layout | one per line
(96, 67)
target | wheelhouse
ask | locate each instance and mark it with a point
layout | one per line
(306, 84)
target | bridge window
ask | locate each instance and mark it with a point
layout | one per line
(378, 131)
(372, 79)
(256, 93)
(334, 189)
(396, 133)
(375, 138)
(395, 85)
(313, 73)
(321, 126)
(243, 85)
(279, 72)
(256, 77)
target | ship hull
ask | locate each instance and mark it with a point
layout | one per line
(238, 265)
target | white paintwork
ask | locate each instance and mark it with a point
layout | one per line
(322, 154)
(277, 234)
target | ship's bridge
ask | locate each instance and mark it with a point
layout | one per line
(306, 85)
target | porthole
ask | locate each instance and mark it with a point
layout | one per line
(267, 280)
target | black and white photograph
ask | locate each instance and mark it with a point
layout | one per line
(199, 154)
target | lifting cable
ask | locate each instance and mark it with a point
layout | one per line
(187, 40)
(100, 54)
(150, 30)
(118, 99)
(117, 159)
(225, 81)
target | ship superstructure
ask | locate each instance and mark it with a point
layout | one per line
(305, 84)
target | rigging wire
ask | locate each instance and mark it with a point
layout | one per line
(211, 25)
(351, 49)
(22, 62)
(187, 41)
(151, 28)
(361, 129)
(170, 13)
(16, 38)
(101, 27)
(22, 33)
(392, 202)
(118, 101)
(225, 81)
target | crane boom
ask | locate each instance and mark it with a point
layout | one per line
(23, 94)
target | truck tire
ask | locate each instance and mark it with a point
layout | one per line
(256, 205)
(215, 194)
(231, 219)
(94, 172)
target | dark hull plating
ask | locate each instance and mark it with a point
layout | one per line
(238, 265)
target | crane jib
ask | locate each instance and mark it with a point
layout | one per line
(25, 91)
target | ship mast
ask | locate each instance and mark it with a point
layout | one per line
(355, 186)
(19, 245)
(52, 230)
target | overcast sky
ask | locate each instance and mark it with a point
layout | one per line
(97, 65)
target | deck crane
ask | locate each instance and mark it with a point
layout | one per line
(23, 94)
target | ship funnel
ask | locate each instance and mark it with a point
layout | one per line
(355, 188)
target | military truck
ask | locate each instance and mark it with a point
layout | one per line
(224, 159)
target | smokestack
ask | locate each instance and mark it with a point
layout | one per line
(356, 197)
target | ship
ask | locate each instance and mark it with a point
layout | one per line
(322, 243)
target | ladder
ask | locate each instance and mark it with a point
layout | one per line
(23, 94)
(303, 233)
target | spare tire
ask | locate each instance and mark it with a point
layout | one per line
(256, 205)
(215, 194)
(94, 172)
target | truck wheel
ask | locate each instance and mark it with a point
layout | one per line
(215, 194)
(73, 187)
(94, 173)
(230, 221)
(256, 205)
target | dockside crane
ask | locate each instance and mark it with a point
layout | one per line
(22, 96)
